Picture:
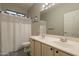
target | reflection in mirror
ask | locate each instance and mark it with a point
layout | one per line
(71, 22)
(62, 19)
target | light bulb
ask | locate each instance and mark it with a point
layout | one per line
(53, 3)
(46, 8)
(43, 6)
(46, 3)
(49, 6)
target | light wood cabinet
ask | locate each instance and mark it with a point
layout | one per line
(47, 50)
(41, 49)
(32, 47)
(37, 48)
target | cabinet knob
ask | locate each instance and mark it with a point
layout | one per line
(56, 51)
(51, 49)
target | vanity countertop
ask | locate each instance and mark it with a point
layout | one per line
(71, 47)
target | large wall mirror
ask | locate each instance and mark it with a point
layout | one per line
(61, 19)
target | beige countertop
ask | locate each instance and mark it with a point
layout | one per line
(71, 47)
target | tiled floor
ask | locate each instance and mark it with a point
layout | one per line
(18, 53)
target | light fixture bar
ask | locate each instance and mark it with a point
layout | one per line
(45, 6)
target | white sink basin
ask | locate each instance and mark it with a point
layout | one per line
(52, 39)
(49, 38)
(69, 44)
(63, 44)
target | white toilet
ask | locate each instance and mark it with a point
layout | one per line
(26, 46)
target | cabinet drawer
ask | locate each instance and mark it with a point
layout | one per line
(60, 53)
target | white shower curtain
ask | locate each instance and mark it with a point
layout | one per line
(14, 32)
(22, 33)
(6, 34)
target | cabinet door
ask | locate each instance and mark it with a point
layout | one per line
(60, 53)
(32, 47)
(37, 48)
(47, 50)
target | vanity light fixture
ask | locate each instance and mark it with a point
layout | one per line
(45, 6)
(46, 3)
(35, 19)
(53, 4)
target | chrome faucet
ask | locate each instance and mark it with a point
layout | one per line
(43, 35)
(63, 39)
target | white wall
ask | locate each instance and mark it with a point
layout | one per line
(0, 6)
(0, 32)
(32, 12)
(55, 17)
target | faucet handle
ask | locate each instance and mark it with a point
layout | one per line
(63, 39)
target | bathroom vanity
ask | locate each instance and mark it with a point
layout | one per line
(52, 46)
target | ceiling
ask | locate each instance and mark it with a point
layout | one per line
(25, 5)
